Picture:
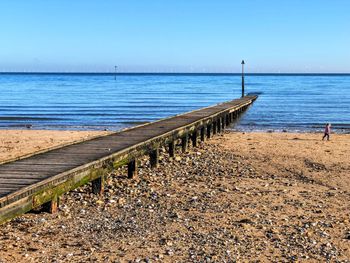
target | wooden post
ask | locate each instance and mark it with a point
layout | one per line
(172, 149)
(154, 157)
(184, 143)
(202, 134)
(209, 131)
(51, 206)
(98, 186)
(227, 119)
(194, 138)
(215, 126)
(223, 123)
(132, 169)
(218, 125)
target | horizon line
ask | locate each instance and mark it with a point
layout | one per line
(170, 73)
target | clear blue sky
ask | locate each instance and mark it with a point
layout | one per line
(175, 35)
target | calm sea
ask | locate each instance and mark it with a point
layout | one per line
(101, 101)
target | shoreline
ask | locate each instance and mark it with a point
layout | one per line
(17, 144)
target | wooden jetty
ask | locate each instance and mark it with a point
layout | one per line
(38, 180)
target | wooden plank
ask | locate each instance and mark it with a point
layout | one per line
(9, 187)
(56, 162)
(16, 185)
(39, 164)
(52, 157)
(23, 173)
(34, 168)
(19, 179)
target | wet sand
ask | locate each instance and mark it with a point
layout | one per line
(267, 197)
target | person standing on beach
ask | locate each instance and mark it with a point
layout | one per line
(327, 131)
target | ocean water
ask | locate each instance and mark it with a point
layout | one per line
(105, 101)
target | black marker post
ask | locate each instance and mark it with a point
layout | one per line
(242, 78)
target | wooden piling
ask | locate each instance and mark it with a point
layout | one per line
(202, 134)
(194, 138)
(172, 149)
(154, 158)
(218, 125)
(215, 126)
(51, 206)
(132, 169)
(184, 143)
(98, 186)
(209, 127)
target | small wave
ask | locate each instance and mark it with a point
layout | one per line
(18, 118)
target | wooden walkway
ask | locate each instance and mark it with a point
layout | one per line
(40, 179)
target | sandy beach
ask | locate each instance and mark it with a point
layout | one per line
(267, 197)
